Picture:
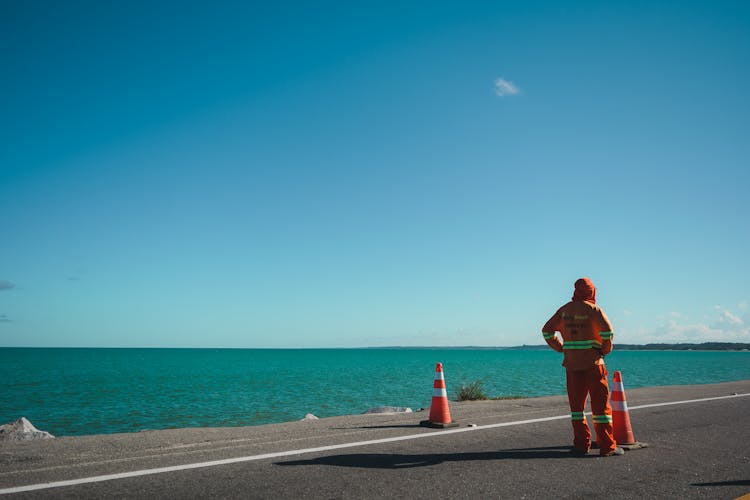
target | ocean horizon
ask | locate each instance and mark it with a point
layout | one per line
(71, 391)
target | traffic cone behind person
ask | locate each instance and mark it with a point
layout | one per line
(621, 428)
(440, 415)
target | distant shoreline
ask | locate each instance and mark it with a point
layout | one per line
(705, 346)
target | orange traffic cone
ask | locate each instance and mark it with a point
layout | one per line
(440, 415)
(621, 429)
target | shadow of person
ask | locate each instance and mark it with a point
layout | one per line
(397, 461)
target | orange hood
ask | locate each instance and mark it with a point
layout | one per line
(584, 290)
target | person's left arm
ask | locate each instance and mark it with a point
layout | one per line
(554, 324)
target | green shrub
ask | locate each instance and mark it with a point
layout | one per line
(471, 392)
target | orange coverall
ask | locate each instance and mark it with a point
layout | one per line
(587, 338)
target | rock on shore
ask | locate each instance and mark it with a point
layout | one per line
(22, 430)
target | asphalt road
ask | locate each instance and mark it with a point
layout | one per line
(518, 449)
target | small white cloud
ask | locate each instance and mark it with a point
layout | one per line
(724, 327)
(726, 316)
(503, 87)
(720, 325)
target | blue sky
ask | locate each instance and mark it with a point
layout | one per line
(342, 174)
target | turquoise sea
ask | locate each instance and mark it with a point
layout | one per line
(92, 391)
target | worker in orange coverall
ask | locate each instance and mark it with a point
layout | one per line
(587, 338)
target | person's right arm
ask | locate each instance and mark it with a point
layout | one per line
(605, 331)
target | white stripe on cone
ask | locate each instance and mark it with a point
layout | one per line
(619, 405)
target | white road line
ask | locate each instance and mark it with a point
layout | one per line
(653, 405)
(213, 463)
